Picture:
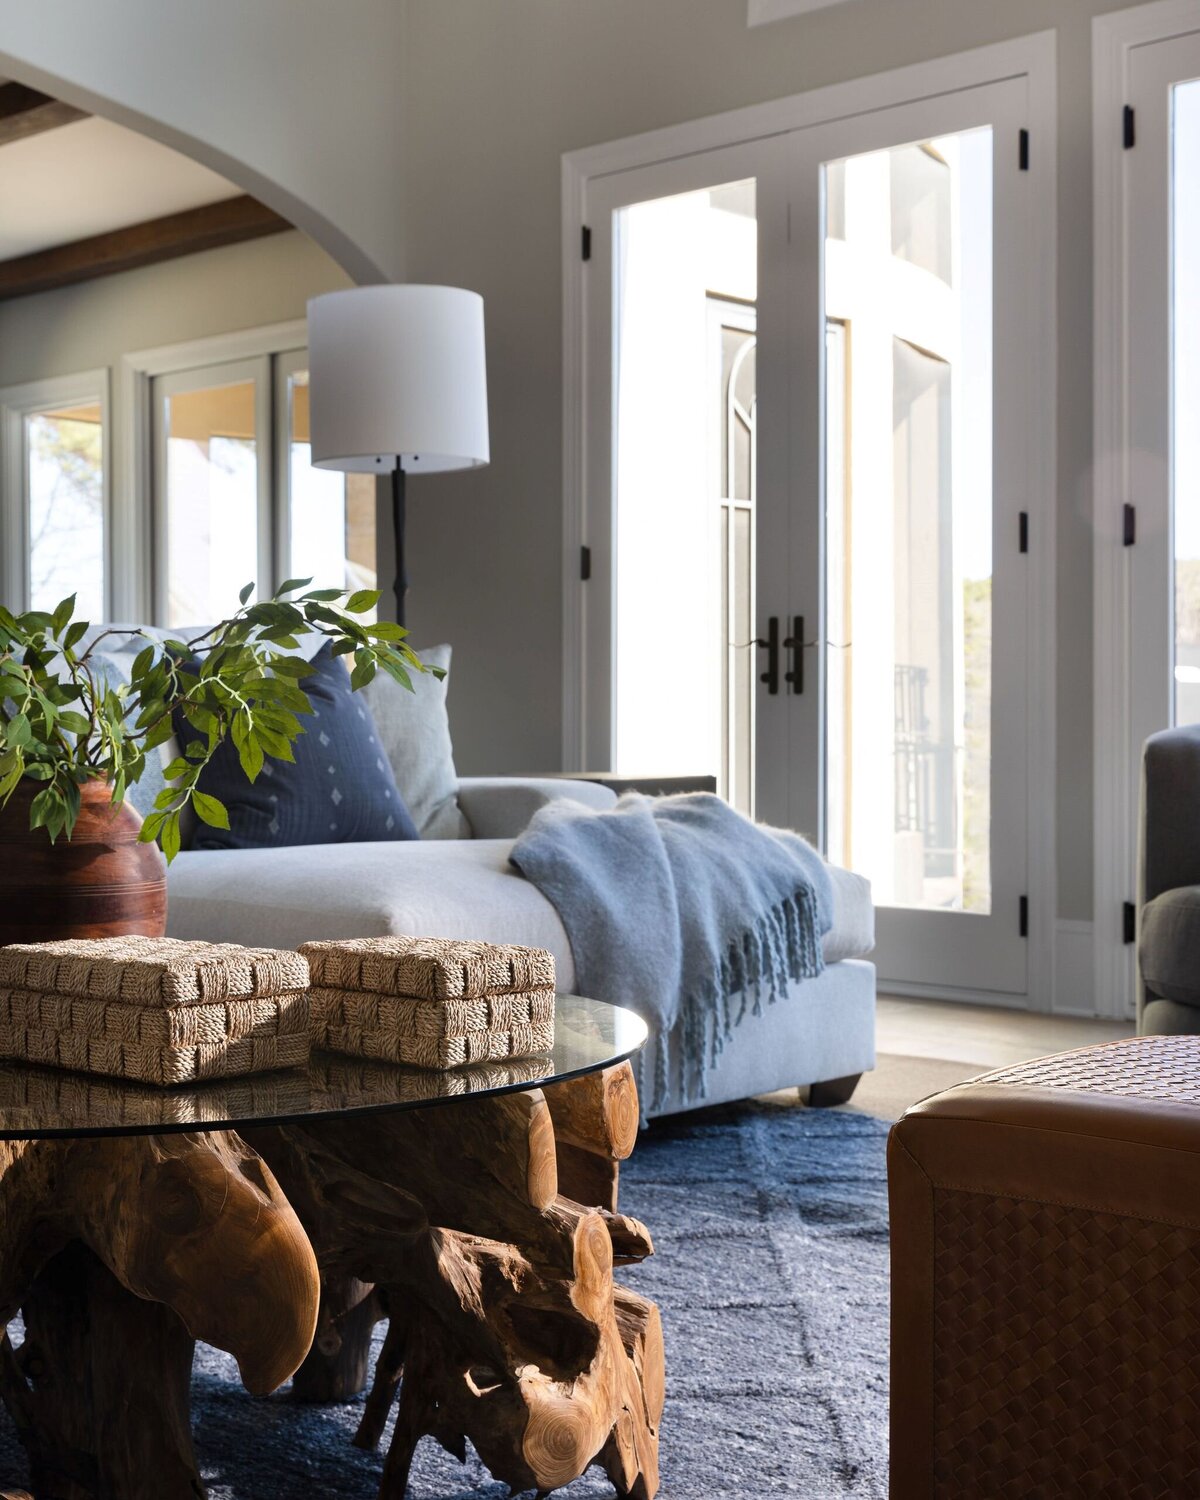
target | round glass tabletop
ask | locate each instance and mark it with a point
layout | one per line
(39, 1103)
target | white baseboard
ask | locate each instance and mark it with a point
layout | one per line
(1074, 969)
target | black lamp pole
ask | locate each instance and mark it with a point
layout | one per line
(398, 519)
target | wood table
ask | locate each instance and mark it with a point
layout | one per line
(281, 1217)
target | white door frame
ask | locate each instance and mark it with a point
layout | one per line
(1115, 37)
(1032, 57)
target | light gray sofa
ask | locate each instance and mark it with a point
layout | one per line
(464, 887)
(457, 882)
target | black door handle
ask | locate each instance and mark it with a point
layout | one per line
(771, 645)
(794, 644)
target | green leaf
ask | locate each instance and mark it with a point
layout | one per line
(150, 827)
(245, 593)
(291, 586)
(75, 634)
(18, 732)
(250, 754)
(292, 666)
(324, 596)
(74, 723)
(364, 670)
(170, 836)
(43, 806)
(344, 648)
(362, 600)
(142, 663)
(62, 614)
(159, 735)
(393, 668)
(209, 810)
(387, 630)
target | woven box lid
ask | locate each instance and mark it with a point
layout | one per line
(151, 971)
(430, 968)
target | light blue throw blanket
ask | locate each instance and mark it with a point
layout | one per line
(683, 910)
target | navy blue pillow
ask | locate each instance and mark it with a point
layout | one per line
(340, 790)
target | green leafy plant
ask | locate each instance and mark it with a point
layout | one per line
(63, 723)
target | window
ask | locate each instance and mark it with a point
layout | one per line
(55, 494)
(235, 497)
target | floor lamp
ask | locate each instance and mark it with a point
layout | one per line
(397, 385)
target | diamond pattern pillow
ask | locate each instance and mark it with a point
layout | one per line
(340, 790)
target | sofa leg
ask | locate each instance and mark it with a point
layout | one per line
(832, 1091)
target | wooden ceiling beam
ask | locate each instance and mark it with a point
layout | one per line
(25, 112)
(228, 222)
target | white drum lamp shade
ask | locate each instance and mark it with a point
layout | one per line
(397, 379)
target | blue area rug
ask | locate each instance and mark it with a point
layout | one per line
(770, 1224)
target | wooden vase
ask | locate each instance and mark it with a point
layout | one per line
(99, 883)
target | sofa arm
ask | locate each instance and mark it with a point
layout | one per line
(1169, 826)
(500, 807)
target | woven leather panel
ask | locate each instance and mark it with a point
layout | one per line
(1066, 1353)
(1147, 1067)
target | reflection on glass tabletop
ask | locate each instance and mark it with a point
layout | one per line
(38, 1103)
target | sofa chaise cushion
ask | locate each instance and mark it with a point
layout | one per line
(462, 888)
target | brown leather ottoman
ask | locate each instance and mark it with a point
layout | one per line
(1046, 1280)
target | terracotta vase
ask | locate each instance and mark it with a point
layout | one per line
(100, 883)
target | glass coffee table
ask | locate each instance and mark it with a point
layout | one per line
(281, 1217)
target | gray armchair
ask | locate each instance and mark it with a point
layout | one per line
(1168, 1000)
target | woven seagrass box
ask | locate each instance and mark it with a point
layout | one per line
(153, 1010)
(431, 1002)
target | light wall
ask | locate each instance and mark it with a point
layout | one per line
(91, 325)
(297, 101)
(494, 95)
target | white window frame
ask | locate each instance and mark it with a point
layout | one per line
(1115, 37)
(137, 527)
(18, 402)
(1032, 57)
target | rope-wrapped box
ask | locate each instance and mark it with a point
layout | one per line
(154, 1010)
(435, 1003)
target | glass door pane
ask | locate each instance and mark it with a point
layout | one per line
(908, 444)
(1185, 399)
(685, 486)
(64, 478)
(330, 516)
(209, 469)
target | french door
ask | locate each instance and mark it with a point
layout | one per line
(1162, 216)
(808, 368)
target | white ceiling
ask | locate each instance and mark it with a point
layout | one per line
(90, 177)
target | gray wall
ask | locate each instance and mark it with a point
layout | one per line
(494, 95)
(296, 100)
(91, 325)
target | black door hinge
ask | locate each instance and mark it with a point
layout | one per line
(1129, 922)
(1128, 526)
(1128, 132)
(1023, 150)
(1023, 918)
(1023, 532)
(585, 563)
(585, 242)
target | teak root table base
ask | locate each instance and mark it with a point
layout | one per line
(464, 1226)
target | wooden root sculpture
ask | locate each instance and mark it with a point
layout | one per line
(121, 1252)
(505, 1326)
